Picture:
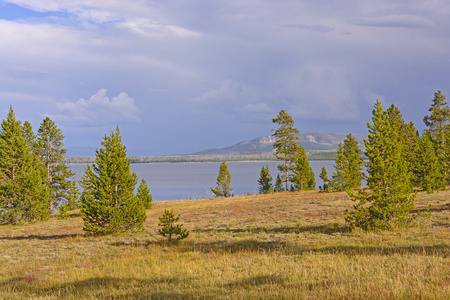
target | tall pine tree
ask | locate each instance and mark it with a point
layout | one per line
(23, 193)
(429, 171)
(391, 197)
(341, 167)
(286, 144)
(108, 201)
(438, 123)
(50, 149)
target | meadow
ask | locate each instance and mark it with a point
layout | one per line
(285, 246)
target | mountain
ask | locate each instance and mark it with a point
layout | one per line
(310, 141)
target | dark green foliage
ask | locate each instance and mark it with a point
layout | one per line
(223, 188)
(108, 201)
(303, 176)
(286, 144)
(73, 197)
(143, 194)
(29, 135)
(341, 167)
(326, 181)
(391, 196)
(429, 171)
(169, 229)
(63, 212)
(352, 153)
(23, 194)
(348, 165)
(438, 123)
(278, 186)
(265, 180)
(49, 147)
(438, 120)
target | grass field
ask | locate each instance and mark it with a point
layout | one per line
(284, 246)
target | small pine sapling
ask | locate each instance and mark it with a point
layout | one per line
(168, 229)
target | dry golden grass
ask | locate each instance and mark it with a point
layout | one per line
(285, 245)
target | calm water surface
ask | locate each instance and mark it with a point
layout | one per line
(177, 181)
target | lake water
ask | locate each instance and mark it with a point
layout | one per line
(178, 181)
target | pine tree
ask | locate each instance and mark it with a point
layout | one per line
(353, 175)
(265, 180)
(407, 134)
(278, 186)
(51, 151)
(338, 179)
(348, 165)
(168, 228)
(302, 172)
(312, 179)
(429, 172)
(108, 201)
(223, 188)
(286, 144)
(391, 196)
(29, 136)
(326, 181)
(438, 120)
(438, 123)
(143, 194)
(23, 195)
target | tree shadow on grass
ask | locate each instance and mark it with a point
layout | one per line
(41, 237)
(325, 229)
(106, 287)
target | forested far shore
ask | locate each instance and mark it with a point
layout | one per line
(242, 156)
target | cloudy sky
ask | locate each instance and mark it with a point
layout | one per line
(184, 76)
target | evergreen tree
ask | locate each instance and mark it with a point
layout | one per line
(286, 144)
(407, 134)
(438, 123)
(353, 175)
(143, 194)
(326, 181)
(438, 120)
(51, 151)
(429, 172)
(278, 186)
(108, 201)
(168, 228)
(29, 136)
(391, 196)
(312, 179)
(23, 194)
(338, 179)
(265, 180)
(302, 172)
(73, 197)
(223, 188)
(348, 165)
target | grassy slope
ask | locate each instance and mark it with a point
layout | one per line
(287, 245)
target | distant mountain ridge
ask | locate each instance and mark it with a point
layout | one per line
(309, 140)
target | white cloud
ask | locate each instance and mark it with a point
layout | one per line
(98, 110)
(151, 28)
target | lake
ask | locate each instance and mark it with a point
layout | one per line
(178, 181)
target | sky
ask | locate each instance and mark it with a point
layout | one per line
(179, 77)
